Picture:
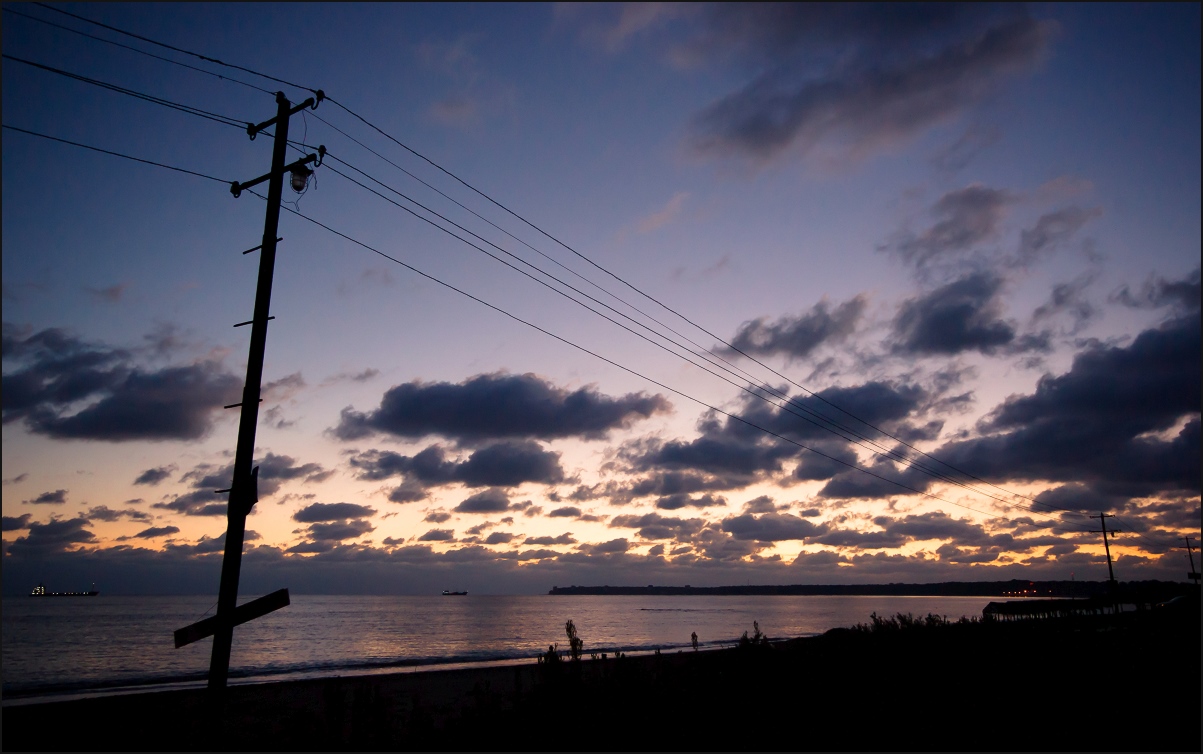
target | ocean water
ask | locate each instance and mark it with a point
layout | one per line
(106, 644)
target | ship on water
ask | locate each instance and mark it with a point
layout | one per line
(40, 591)
(448, 593)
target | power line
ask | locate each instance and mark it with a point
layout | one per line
(135, 49)
(175, 49)
(788, 406)
(629, 370)
(223, 119)
(569, 248)
(115, 154)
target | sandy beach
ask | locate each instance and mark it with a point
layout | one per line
(977, 686)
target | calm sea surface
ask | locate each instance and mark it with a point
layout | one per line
(82, 645)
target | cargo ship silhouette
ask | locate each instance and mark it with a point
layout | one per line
(40, 591)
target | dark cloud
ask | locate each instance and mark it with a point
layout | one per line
(1050, 231)
(490, 406)
(157, 531)
(612, 546)
(796, 337)
(508, 463)
(336, 531)
(762, 504)
(319, 512)
(205, 479)
(437, 517)
(855, 79)
(1068, 298)
(1156, 293)
(155, 475)
(17, 523)
(56, 536)
(681, 500)
(966, 217)
(655, 526)
(499, 538)
(965, 315)
(487, 501)
(438, 535)
(54, 371)
(57, 497)
(105, 513)
(17, 479)
(563, 539)
(567, 511)
(770, 527)
(1102, 422)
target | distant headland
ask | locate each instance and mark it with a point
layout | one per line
(1014, 588)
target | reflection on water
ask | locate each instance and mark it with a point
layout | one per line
(81, 644)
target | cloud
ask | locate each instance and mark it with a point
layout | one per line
(110, 295)
(1181, 296)
(499, 538)
(1069, 298)
(17, 479)
(205, 479)
(105, 513)
(157, 531)
(508, 463)
(655, 526)
(438, 535)
(567, 511)
(796, 337)
(337, 531)
(1102, 421)
(664, 215)
(318, 512)
(56, 536)
(55, 372)
(57, 497)
(17, 523)
(770, 527)
(681, 500)
(967, 217)
(437, 517)
(564, 539)
(857, 80)
(957, 155)
(1052, 230)
(495, 406)
(155, 475)
(965, 315)
(488, 501)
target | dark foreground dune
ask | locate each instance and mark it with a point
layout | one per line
(1082, 684)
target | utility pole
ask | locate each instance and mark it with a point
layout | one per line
(1102, 517)
(1193, 575)
(244, 486)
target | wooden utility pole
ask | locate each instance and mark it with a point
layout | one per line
(1102, 517)
(1193, 575)
(244, 486)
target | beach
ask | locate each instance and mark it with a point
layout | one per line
(952, 685)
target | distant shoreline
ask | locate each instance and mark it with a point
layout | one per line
(1015, 588)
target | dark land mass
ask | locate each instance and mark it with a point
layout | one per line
(1084, 682)
(1147, 590)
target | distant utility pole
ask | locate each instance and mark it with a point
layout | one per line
(1102, 517)
(1193, 575)
(244, 486)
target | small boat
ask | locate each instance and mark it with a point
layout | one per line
(447, 593)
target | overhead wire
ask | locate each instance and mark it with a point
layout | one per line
(115, 154)
(173, 48)
(564, 245)
(191, 110)
(532, 225)
(629, 370)
(137, 50)
(787, 406)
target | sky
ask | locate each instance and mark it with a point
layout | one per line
(897, 293)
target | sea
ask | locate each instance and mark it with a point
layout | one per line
(87, 646)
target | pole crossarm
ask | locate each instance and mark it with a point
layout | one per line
(242, 614)
(253, 129)
(237, 188)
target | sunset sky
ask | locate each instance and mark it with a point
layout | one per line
(967, 237)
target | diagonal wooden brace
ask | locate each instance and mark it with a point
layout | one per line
(243, 613)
